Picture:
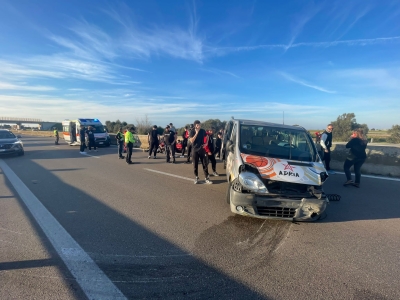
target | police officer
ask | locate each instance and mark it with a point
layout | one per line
(82, 135)
(57, 137)
(129, 141)
(120, 142)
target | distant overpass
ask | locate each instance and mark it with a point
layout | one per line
(19, 121)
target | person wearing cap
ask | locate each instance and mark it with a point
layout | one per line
(198, 138)
(153, 139)
(129, 141)
(189, 144)
(56, 136)
(91, 139)
(169, 141)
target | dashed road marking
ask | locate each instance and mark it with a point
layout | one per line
(169, 174)
(94, 283)
(372, 176)
(89, 155)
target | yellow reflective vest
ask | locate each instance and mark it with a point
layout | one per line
(56, 132)
(129, 137)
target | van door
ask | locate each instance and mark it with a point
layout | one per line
(227, 135)
(231, 169)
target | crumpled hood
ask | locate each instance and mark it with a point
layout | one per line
(286, 170)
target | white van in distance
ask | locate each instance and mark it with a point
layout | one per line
(71, 131)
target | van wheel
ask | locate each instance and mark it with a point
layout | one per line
(228, 193)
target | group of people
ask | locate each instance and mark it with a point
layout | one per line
(355, 158)
(198, 143)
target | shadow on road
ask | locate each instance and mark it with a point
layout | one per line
(145, 266)
(376, 199)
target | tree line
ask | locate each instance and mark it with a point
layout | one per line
(344, 126)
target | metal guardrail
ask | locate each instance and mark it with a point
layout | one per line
(20, 119)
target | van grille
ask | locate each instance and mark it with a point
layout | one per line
(279, 212)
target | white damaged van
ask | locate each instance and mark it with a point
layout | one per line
(274, 171)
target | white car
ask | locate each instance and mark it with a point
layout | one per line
(274, 171)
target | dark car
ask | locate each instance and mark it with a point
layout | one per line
(10, 144)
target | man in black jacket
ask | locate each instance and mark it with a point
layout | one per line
(198, 138)
(91, 138)
(153, 139)
(211, 148)
(120, 142)
(82, 135)
(169, 140)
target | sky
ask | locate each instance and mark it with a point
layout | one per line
(298, 62)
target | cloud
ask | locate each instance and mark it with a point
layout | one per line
(153, 40)
(387, 79)
(10, 86)
(356, 42)
(219, 72)
(304, 83)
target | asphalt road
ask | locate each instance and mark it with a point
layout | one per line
(156, 235)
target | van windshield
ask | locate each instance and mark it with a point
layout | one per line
(277, 142)
(98, 128)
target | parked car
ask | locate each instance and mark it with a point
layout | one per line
(10, 144)
(273, 171)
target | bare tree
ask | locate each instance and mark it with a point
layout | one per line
(143, 125)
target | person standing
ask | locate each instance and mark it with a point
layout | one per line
(189, 144)
(185, 136)
(172, 127)
(56, 136)
(82, 135)
(129, 141)
(356, 157)
(199, 140)
(218, 144)
(326, 144)
(211, 153)
(120, 142)
(169, 140)
(153, 139)
(91, 139)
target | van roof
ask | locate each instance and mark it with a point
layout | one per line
(261, 123)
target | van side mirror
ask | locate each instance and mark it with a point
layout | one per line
(19, 136)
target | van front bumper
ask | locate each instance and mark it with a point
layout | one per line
(267, 207)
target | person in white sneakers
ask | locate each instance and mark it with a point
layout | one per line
(199, 139)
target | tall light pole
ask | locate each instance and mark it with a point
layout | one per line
(283, 117)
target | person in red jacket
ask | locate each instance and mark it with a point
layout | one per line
(199, 139)
(211, 153)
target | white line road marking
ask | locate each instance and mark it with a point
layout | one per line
(55, 147)
(169, 174)
(372, 176)
(94, 283)
(90, 155)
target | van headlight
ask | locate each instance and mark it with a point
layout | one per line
(251, 182)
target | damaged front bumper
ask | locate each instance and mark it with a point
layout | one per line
(267, 207)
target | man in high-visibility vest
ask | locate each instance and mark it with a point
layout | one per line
(129, 141)
(57, 137)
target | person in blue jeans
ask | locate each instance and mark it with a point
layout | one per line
(356, 157)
